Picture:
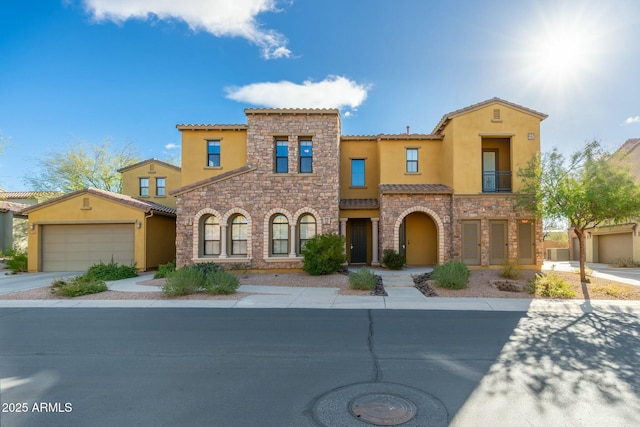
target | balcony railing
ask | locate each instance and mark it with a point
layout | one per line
(496, 181)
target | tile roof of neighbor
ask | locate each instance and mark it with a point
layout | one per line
(151, 160)
(447, 117)
(630, 145)
(13, 207)
(414, 189)
(8, 195)
(294, 111)
(211, 180)
(143, 205)
(205, 126)
(359, 204)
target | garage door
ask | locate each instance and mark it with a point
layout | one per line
(612, 247)
(77, 247)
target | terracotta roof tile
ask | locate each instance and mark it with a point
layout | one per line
(144, 162)
(217, 178)
(359, 204)
(13, 207)
(9, 195)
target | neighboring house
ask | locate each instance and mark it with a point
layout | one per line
(76, 230)
(610, 243)
(13, 224)
(151, 180)
(253, 194)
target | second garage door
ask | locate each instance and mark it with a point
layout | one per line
(76, 247)
(612, 247)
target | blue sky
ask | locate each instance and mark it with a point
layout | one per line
(130, 70)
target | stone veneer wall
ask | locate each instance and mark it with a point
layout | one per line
(487, 207)
(261, 191)
(448, 212)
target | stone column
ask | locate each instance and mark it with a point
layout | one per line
(374, 242)
(223, 241)
(343, 232)
(292, 252)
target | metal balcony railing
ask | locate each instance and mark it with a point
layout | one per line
(496, 181)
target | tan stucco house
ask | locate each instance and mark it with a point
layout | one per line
(254, 193)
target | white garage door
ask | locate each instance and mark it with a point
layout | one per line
(612, 247)
(77, 247)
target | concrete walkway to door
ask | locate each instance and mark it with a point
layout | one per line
(397, 278)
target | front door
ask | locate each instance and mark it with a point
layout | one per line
(498, 242)
(526, 242)
(358, 241)
(419, 237)
(471, 242)
(489, 167)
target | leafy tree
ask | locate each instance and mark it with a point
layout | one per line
(82, 165)
(591, 188)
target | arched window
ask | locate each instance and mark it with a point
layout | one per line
(279, 235)
(211, 236)
(307, 229)
(239, 235)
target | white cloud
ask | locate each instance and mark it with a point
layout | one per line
(332, 92)
(630, 120)
(171, 146)
(236, 18)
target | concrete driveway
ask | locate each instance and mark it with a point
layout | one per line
(624, 275)
(24, 281)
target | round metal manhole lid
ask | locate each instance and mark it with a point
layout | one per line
(383, 409)
(379, 404)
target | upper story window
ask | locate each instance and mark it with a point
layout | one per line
(144, 186)
(213, 153)
(306, 157)
(412, 160)
(282, 156)
(357, 172)
(161, 187)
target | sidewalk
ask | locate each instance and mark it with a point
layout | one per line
(399, 298)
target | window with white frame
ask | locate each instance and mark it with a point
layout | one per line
(211, 236)
(306, 230)
(239, 235)
(412, 160)
(279, 235)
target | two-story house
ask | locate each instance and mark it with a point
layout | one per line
(253, 194)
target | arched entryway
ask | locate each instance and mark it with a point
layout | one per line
(418, 238)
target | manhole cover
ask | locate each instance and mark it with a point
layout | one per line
(383, 409)
(379, 404)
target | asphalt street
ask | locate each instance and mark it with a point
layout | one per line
(273, 367)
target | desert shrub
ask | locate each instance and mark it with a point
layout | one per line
(613, 290)
(78, 286)
(393, 259)
(164, 270)
(451, 275)
(323, 254)
(511, 270)
(185, 281)
(205, 268)
(363, 279)
(18, 263)
(551, 286)
(625, 263)
(111, 271)
(221, 283)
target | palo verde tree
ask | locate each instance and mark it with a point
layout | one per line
(80, 166)
(592, 187)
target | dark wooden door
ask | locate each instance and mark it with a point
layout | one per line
(358, 241)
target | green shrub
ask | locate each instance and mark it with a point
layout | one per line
(164, 270)
(323, 254)
(393, 259)
(363, 279)
(551, 286)
(184, 281)
(18, 262)
(221, 283)
(511, 269)
(206, 268)
(111, 271)
(451, 275)
(78, 286)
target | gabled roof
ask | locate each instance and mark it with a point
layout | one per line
(414, 189)
(143, 205)
(447, 117)
(145, 162)
(13, 207)
(217, 178)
